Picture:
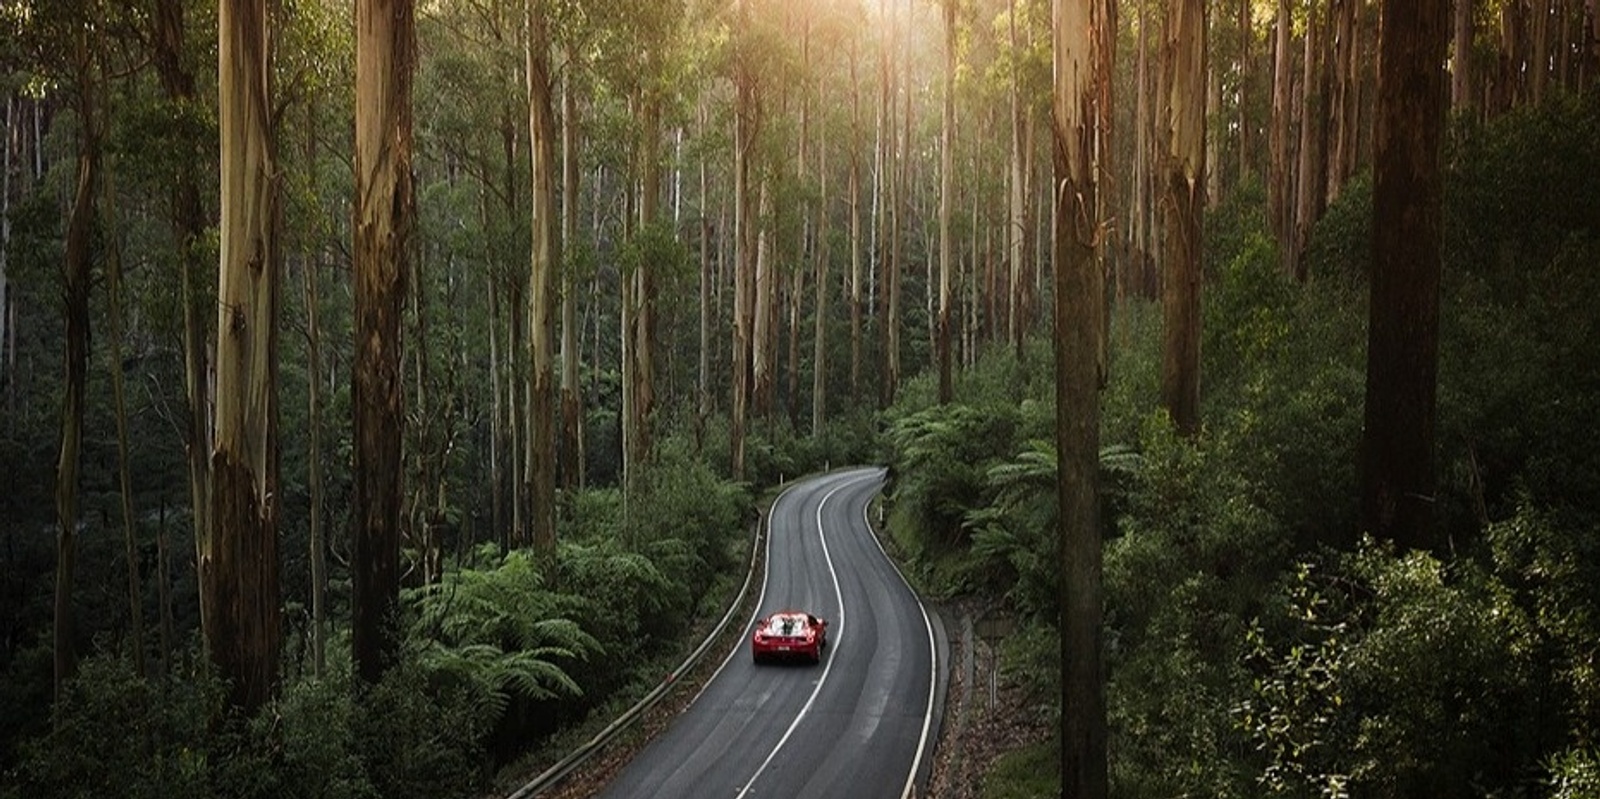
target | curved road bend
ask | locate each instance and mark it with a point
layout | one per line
(857, 726)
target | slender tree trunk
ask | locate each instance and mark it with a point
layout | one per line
(243, 624)
(1403, 333)
(571, 392)
(855, 221)
(7, 145)
(384, 224)
(1311, 186)
(75, 275)
(1017, 196)
(1183, 207)
(819, 349)
(318, 542)
(746, 122)
(1246, 69)
(707, 312)
(1281, 185)
(540, 465)
(1079, 303)
(119, 399)
(763, 336)
(946, 199)
(1461, 87)
(188, 225)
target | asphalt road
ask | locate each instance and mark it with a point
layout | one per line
(859, 725)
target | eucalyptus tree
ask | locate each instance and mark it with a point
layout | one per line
(539, 476)
(188, 222)
(384, 220)
(1081, 82)
(65, 49)
(1183, 121)
(1398, 481)
(242, 618)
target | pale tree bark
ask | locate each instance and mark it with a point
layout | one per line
(747, 116)
(1311, 186)
(384, 221)
(1183, 208)
(1280, 186)
(1398, 480)
(1345, 104)
(1079, 305)
(1246, 69)
(1139, 210)
(855, 222)
(703, 367)
(113, 254)
(243, 624)
(819, 348)
(572, 466)
(946, 199)
(765, 286)
(540, 463)
(1016, 193)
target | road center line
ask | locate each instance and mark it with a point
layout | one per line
(838, 595)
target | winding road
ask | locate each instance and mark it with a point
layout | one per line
(861, 724)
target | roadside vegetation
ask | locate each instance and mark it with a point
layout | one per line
(1257, 642)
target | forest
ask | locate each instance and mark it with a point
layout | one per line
(390, 389)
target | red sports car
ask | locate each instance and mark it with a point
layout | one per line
(789, 634)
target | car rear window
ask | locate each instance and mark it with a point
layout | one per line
(786, 625)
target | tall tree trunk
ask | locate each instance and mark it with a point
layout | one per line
(946, 199)
(75, 275)
(1403, 332)
(819, 348)
(1016, 195)
(243, 624)
(119, 399)
(855, 222)
(1310, 187)
(1079, 304)
(572, 465)
(540, 466)
(188, 225)
(703, 405)
(1461, 88)
(747, 115)
(1246, 69)
(1539, 67)
(318, 543)
(1280, 188)
(763, 336)
(7, 146)
(384, 224)
(1183, 206)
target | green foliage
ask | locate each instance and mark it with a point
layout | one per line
(941, 457)
(1550, 564)
(494, 635)
(1391, 675)
(419, 740)
(113, 734)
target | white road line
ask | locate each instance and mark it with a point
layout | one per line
(933, 661)
(838, 595)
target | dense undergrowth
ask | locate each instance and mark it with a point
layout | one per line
(499, 656)
(1256, 642)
